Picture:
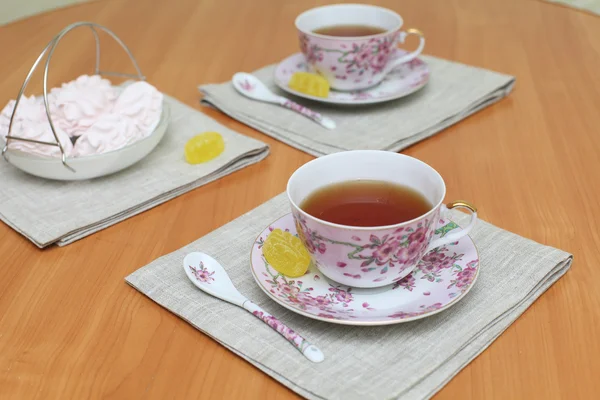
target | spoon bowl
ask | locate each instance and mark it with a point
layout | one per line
(251, 87)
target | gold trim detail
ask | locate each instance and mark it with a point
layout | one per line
(461, 203)
(415, 31)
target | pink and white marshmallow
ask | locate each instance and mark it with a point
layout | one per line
(143, 103)
(78, 104)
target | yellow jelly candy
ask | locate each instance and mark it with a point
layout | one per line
(307, 83)
(286, 253)
(204, 147)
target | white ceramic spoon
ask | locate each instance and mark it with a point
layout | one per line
(250, 86)
(209, 276)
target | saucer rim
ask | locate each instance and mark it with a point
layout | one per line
(286, 89)
(363, 323)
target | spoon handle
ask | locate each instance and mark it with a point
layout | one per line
(309, 350)
(307, 112)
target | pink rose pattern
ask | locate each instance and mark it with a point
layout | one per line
(303, 110)
(338, 302)
(464, 276)
(407, 283)
(294, 292)
(286, 332)
(435, 261)
(400, 249)
(310, 239)
(371, 56)
(247, 86)
(312, 52)
(202, 274)
(404, 79)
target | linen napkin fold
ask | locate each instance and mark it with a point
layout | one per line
(48, 212)
(592, 6)
(412, 360)
(454, 92)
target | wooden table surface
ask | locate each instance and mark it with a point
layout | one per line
(70, 327)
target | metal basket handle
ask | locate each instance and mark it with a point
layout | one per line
(50, 47)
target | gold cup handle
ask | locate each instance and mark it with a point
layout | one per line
(413, 54)
(451, 236)
(461, 204)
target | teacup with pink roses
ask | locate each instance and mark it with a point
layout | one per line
(373, 256)
(354, 63)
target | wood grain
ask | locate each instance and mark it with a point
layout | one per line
(71, 328)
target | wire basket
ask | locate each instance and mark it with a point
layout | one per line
(49, 49)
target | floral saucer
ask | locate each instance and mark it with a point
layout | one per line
(400, 82)
(432, 287)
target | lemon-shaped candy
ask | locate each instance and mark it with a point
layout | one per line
(286, 253)
(311, 84)
(204, 147)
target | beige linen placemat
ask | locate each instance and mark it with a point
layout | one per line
(48, 212)
(454, 92)
(408, 361)
(592, 6)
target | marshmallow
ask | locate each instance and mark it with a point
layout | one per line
(143, 103)
(110, 132)
(78, 104)
(31, 122)
(89, 111)
(30, 109)
(39, 131)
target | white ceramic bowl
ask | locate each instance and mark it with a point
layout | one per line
(92, 166)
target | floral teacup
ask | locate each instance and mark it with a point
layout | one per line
(370, 257)
(353, 63)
